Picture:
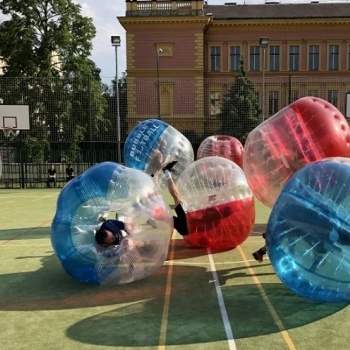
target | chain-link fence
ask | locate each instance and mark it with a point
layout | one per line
(76, 120)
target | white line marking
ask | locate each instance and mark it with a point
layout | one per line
(227, 325)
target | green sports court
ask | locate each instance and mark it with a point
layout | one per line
(197, 300)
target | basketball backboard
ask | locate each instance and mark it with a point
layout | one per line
(14, 116)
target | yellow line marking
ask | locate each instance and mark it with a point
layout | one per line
(165, 314)
(272, 310)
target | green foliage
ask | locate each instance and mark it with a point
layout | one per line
(123, 98)
(45, 46)
(45, 38)
(111, 112)
(72, 154)
(36, 149)
(240, 111)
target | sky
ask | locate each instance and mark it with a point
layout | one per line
(104, 14)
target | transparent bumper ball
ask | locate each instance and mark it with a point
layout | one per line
(224, 146)
(154, 143)
(308, 232)
(102, 192)
(307, 130)
(218, 202)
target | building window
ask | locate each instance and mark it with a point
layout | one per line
(235, 57)
(333, 57)
(333, 97)
(254, 58)
(273, 102)
(215, 103)
(215, 58)
(313, 93)
(314, 57)
(166, 98)
(294, 57)
(274, 58)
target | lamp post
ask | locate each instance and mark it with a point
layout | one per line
(158, 84)
(264, 42)
(115, 40)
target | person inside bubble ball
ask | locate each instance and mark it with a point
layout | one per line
(112, 232)
(158, 160)
(180, 220)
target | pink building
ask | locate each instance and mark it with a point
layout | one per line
(182, 56)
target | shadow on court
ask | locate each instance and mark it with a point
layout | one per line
(24, 234)
(137, 308)
(194, 315)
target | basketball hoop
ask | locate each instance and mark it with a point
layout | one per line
(8, 132)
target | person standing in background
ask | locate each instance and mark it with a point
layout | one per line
(51, 176)
(69, 173)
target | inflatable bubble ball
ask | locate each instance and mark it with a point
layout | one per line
(218, 202)
(100, 193)
(307, 130)
(152, 144)
(308, 232)
(222, 146)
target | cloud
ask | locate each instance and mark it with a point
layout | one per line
(87, 10)
(3, 17)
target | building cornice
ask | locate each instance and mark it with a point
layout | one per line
(281, 23)
(142, 22)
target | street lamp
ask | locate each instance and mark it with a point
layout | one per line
(115, 40)
(158, 84)
(264, 42)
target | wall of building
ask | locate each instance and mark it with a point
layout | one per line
(188, 36)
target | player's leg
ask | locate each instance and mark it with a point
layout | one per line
(180, 220)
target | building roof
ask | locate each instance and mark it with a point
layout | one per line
(278, 11)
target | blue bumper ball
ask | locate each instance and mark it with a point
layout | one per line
(86, 201)
(308, 232)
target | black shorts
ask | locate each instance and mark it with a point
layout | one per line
(180, 221)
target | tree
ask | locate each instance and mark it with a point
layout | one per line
(240, 111)
(45, 38)
(112, 105)
(46, 45)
